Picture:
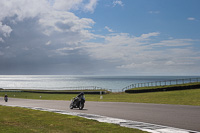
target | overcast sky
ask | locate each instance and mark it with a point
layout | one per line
(100, 37)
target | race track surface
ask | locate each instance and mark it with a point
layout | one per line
(178, 116)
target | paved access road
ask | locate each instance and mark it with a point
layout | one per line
(179, 116)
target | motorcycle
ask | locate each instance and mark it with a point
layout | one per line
(78, 102)
(6, 98)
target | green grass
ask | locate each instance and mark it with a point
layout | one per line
(183, 97)
(21, 120)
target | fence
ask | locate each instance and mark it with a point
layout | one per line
(54, 88)
(162, 83)
(83, 88)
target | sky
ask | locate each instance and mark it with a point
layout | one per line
(100, 37)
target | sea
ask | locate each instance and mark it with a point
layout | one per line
(74, 82)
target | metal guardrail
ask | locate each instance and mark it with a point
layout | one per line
(15, 89)
(11, 91)
(162, 83)
(55, 88)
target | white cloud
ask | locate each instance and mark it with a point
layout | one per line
(66, 50)
(67, 5)
(5, 30)
(64, 22)
(18, 10)
(51, 19)
(170, 63)
(166, 61)
(109, 29)
(1, 40)
(119, 46)
(90, 6)
(191, 19)
(174, 42)
(134, 65)
(48, 43)
(154, 12)
(131, 53)
(117, 2)
(150, 35)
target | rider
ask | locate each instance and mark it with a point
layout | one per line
(79, 97)
(6, 97)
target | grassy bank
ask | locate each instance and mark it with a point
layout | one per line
(166, 86)
(20, 120)
(183, 97)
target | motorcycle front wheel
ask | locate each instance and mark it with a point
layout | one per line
(81, 106)
(6, 99)
(71, 106)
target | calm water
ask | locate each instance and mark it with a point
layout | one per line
(66, 82)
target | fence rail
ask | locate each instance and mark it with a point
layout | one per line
(56, 88)
(162, 83)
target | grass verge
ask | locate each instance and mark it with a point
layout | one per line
(180, 97)
(20, 120)
(183, 97)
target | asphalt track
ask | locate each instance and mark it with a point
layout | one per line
(178, 116)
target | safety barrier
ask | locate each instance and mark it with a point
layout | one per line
(162, 83)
